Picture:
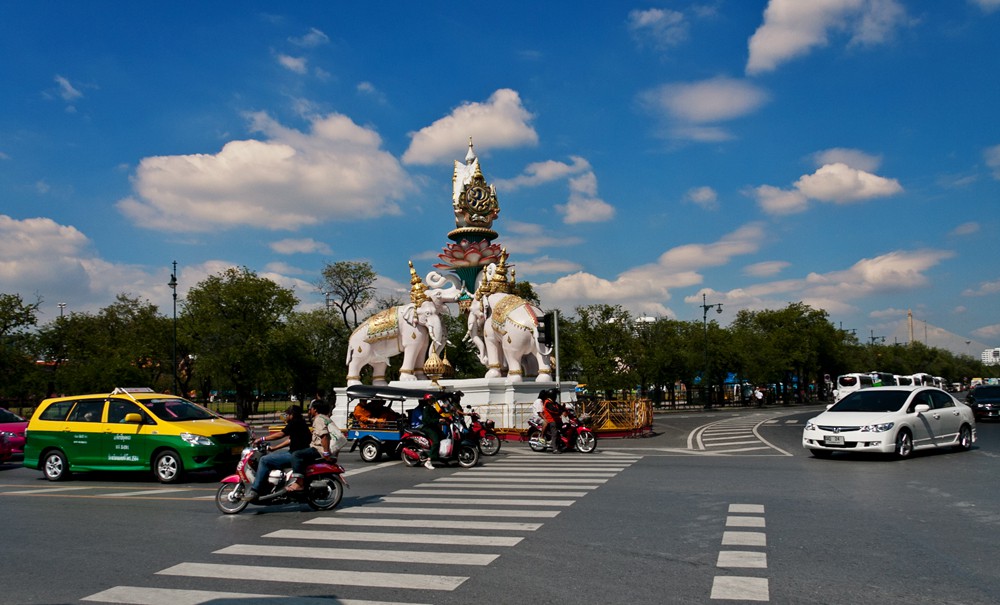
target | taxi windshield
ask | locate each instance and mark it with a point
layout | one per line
(175, 410)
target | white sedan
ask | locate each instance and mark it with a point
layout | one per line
(891, 420)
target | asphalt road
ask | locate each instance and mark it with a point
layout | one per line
(718, 507)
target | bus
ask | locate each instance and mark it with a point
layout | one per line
(848, 383)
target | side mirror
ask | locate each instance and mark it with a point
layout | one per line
(921, 408)
(132, 418)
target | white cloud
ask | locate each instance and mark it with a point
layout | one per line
(836, 183)
(706, 197)
(766, 268)
(296, 64)
(992, 331)
(583, 205)
(985, 288)
(987, 5)
(773, 200)
(965, 229)
(67, 92)
(368, 90)
(531, 238)
(691, 108)
(992, 155)
(855, 158)
(544, 172)
(311, 39)
(840, 183)
(660, 28)
(501, 122)
(336, 171)
(745, 240)
(793, 28)
(300, 246)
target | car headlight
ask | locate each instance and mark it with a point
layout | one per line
(196, 439)
(810, 426)
(877, 428)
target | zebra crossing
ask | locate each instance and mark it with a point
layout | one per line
(463, 521)
(734, 436)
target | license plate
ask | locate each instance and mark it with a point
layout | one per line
(834, 440)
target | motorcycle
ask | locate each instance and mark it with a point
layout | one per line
(323, 491)
(574, 434)
(414, 448)
(484, 432)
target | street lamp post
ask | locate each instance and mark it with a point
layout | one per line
(173, 286)
(705, 307)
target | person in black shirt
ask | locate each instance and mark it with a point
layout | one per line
(295, 434)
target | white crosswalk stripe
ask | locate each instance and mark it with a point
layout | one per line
(502, 503)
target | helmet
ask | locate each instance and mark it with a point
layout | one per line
(552, 394)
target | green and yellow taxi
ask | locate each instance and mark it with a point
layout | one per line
(130, 430)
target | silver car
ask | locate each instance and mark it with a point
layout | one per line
(891, 420)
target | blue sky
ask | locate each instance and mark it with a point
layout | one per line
(842, 153)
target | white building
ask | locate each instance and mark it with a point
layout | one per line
(991, 357)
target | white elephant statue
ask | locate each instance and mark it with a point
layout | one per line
(406, 329)
(504, 328)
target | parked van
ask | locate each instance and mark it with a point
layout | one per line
(131, 430)
(903, 381)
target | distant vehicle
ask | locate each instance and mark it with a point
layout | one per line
(891, 420)
(883, 379)
(922, 379)
(849, 383)
(903, 381)
(13, 427)
(984, 401)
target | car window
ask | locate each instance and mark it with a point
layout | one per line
(942, 400)
(56, 411)
(88, 410)
(921, 397)
(174, 410)
(6, 416)
(986, 392)
(871, 400)
(118, 408)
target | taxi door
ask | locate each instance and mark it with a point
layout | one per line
(82, 435)
(125, 446)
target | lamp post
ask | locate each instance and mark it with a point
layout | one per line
(173, 286)
(705, 307)
(62, 307)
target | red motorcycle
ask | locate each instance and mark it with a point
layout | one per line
(414, 448)
(324, 484)
(485, 432)
(574, 434)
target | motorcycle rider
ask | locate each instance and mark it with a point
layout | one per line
(431, 417)
(295, 435)
(327, 441)
(553, 411)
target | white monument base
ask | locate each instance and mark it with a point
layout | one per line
(507, 403)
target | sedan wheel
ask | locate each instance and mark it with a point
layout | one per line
(168, 467)
(904, 444)
(964, 438)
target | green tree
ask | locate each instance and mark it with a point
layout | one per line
(234, 320)
(16, 362)
(349, 287)
(601, 343)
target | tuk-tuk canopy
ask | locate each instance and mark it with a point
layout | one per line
(366, 391)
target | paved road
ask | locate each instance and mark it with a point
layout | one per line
(720, 506)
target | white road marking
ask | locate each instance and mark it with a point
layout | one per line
(359, 554)
(295, 575)
(362, 536)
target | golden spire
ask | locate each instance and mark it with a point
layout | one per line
(418, 291)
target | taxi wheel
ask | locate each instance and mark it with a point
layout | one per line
(55, 466)
(168, 467)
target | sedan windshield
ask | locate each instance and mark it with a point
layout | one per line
(176, 410)
(872, 400)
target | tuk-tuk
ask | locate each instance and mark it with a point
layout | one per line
(377, 416)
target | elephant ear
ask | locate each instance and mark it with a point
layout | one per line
(409, 314)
